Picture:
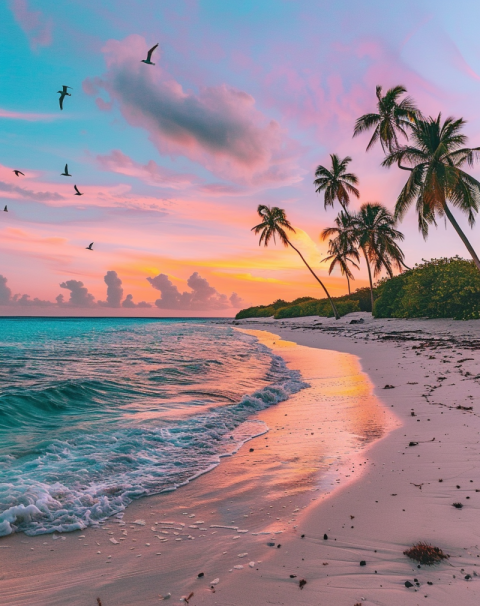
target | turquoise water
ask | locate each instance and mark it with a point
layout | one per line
(97, 412)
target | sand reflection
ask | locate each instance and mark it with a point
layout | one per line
(322, 426)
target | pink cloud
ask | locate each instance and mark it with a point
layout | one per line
(202, 296)
(36, 26)
(219, 127)
(151, 172)
(30, 117)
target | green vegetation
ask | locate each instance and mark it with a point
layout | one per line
(440, 288)
(307, 306)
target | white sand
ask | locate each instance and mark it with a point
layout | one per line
(251, 490)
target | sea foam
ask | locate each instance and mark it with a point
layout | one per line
(100, 457)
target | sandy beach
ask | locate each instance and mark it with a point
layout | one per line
(333, 483)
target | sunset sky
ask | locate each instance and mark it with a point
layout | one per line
(245, 100)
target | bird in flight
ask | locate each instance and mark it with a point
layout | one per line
(89, 247)
(63, 94)
(5, 209)
(65, 172)
(76, 189)
(18, 173)
(148, 60)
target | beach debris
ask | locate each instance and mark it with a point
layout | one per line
(363, 563)
(278, 546)
(271, 544)
(359, 321)
(424, 553)
(140, 522)
(459, 407)
(325, 537)
(389, 386)
(99, 602)
(238, 567)
(302, 536)
(114, 541)
(167, 596)
(251, 564)
(242, 555)
(418, 485)
(187, 598)
(302, 583)
(468, 577)
(251, 450)
(457, 505)
(408, 584)
(215, 581)
(293, 576)
(200, 575)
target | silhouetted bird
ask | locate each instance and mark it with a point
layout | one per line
(5, 209)
(89, 247)
(63, 94)
(65, 172)
(78, 193)
(18, 173)
(149, 56)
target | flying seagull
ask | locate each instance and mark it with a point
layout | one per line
(63, 94)
(76, 189)
(149, 56)
(65, 172)
(89, 247)
(18, 173)
(5, 209)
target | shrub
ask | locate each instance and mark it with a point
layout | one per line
(440, 288)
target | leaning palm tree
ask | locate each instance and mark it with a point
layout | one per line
(375, 234)
(436, 179)
(341, 256)
(335, 182)
(275, 223)
(393, 116)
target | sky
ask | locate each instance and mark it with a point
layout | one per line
(244, 101)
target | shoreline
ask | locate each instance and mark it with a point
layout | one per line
(396, 501)
(261, 493)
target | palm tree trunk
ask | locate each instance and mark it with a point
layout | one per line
(334, 309)
(463, 237)
(369, 275)
(348, 282)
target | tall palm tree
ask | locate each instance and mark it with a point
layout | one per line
(275, 223)
(393, 116)
(435, 157)
(335, 182)
(338, 255)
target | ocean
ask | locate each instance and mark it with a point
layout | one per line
(97, 412)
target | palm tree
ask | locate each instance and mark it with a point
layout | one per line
(392, 116)
(335, 182)
(338, 255)
(435, 157)
(275, 223)
(372, 231)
